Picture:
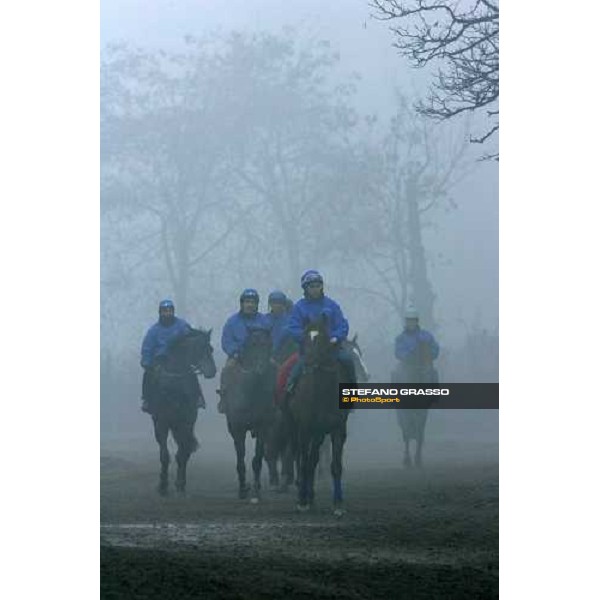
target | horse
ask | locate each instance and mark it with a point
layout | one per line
(412, 421)
(314, 412)
(174, 401)
(250, 406)
(362, 376)
(277, 446)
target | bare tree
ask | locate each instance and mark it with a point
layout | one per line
(293, 154)
(413, 168)
(463, 37)
(163, 147)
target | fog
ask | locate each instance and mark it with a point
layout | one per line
(283, 137)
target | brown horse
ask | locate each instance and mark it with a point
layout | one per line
(315, 412)
(250, 406)
(174, 397)
(412, 421)
(362, 376)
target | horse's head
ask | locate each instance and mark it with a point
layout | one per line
(316, 344)
(195, 352)
(362, 373)
(256, 353)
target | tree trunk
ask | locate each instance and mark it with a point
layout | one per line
(423, 295)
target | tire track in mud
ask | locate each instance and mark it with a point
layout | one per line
(281, 538)
(416, 535)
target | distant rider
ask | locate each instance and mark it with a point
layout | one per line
(235, 333)
(278, 317)
(416, 349)
(156, 344)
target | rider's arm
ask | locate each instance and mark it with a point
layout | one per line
(435, 348)
(295, 325)
(339, 327)
(228, 341)
(148, 346)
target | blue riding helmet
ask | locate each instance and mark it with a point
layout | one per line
(310, 276)
(166, 304)
(277, 296)
(249, 294)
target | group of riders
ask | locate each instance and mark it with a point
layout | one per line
(415, 348)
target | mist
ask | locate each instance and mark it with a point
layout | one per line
(243, 145)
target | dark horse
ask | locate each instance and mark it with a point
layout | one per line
(174, 401)
(412, 420)
(362, 376)
(250, 405)
(314, 412)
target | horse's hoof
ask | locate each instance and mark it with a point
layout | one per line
(338, 512)
(254, 500)
(243, 493)
(302, 508)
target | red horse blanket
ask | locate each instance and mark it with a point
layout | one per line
(282, 377)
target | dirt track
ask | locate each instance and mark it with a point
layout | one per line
(407, 534)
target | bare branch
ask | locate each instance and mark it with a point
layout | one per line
(464, 39)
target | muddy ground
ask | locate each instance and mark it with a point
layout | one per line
(406, 534)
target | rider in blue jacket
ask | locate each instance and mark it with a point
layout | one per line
(157, 342)
(278, 318)
(416, 348)
(309, 309)
(234, 335)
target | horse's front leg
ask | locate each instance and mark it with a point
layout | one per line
(186, 445)
(407, 458)
(239, 440)
(338, 438)
(324, 457)
(161, 433)
(259, 450)
(302, 471)
(287, 467)
(273, 470)
(270, 454)
(420, 437)
(313, 460)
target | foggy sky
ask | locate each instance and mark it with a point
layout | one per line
(466, 283)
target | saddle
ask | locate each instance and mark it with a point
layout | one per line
(153, 385)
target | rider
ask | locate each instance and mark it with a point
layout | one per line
(416, 349)
(155, 346)
(234, 336)
(278, 318)
(309, 309)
